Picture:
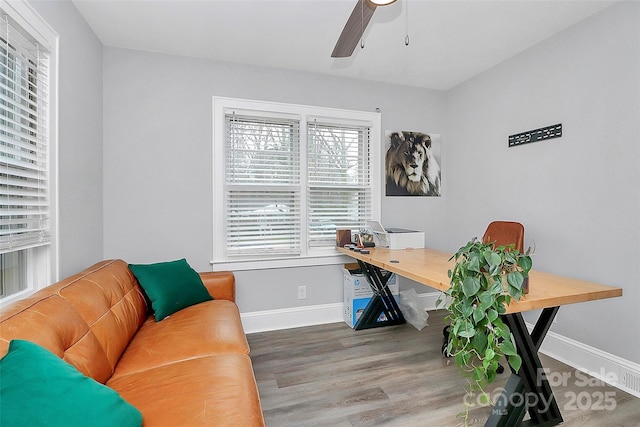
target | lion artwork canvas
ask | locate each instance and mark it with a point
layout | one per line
(412, 164)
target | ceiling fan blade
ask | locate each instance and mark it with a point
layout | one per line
(353, 29)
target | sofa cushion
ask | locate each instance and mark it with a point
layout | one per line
(50, 321)
(38, 388)
(171, 286)
(212, 327)
(110, 301)
(218, 390)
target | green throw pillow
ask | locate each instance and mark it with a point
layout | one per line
(171, 286)
(37, 388)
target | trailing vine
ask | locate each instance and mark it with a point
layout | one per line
(484, 281)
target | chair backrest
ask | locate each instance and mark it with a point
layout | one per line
(503, 233)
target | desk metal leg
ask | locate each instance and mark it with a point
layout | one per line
(381, 302)
(529, 390)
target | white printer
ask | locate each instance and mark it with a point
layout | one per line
(396, 238)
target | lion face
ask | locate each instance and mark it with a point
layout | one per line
(410, 165)
(413, 153)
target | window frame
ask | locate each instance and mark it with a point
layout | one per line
(22, 14)
(326, 256)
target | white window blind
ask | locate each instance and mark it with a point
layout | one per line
(339, 180)
(262, 185)
(285, 177)
(24, 147)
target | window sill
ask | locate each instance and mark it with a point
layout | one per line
(266, 264)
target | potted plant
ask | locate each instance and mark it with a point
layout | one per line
(484, 280)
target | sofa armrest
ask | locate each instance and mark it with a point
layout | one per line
(220, 284)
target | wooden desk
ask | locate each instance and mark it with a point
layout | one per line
(429, 267)
(547, 292)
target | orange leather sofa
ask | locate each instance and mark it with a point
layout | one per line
(190, 369)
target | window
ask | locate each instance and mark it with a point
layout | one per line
(26, 141)
(262, 185)
(287, 176)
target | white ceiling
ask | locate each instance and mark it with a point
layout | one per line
(449, 41)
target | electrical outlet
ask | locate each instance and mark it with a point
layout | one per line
(302, 292)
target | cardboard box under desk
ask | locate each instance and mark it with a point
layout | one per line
(358, 292)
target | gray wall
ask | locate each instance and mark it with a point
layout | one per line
(158, 160)
(79, 137)
(578, 196)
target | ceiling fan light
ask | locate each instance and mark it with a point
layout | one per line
(382, 2)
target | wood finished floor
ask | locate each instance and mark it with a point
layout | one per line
(331, 375)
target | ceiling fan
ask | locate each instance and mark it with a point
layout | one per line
(355, 26)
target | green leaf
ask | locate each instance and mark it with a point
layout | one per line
(515, 279)
(478, 314)
(455, 328)
(507, 348)
(470, 286)
(474, 263)
(496, 288)
(502, 330)
(510, 257)
(485, 363)
(516, 293)
(525, 263)
(467, 331)
(467, 308)
(492, 315)
(479, 342)
(492, 258)
(489, 354)
(515, 362)
(495, 270)
(486, 300)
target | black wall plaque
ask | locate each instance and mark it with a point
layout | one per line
(548, 132)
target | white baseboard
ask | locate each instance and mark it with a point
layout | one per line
(296, 317)
(613, 370)
(287, 318)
